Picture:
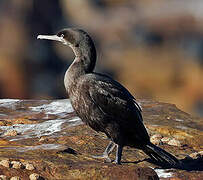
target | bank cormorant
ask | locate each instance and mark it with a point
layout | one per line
(103, 103)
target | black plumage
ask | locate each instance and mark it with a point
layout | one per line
(103, 103)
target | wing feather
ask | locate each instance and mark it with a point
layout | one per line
(113, 99)
(117, 112)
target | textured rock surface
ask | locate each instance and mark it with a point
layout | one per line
(35, 176)
(2, 177)
(55, 142)
(29, 166)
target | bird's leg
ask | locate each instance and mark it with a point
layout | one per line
(109, 148)
(107, 151)
(118, 154)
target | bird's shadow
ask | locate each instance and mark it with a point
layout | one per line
(188, 164)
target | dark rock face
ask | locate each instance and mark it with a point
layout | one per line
(46, 138)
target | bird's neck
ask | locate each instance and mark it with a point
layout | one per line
(83, 63)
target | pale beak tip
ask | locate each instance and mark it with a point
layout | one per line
(39, 37)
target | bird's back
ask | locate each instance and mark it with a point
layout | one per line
(105, 105)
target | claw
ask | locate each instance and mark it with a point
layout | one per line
(107, 160)
(116, 162)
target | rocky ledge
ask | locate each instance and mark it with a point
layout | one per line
(42, 139)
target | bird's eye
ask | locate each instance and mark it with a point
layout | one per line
(62, 35)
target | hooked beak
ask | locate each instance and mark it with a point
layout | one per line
(53, 37)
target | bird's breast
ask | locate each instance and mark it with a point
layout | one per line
(87, 110)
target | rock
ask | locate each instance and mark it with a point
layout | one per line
(5, 163)
(11, 132)
(42, 139)
(156, 136)
(4, 142)
(35, 176)
(200, 153)
(3, 177)
(193, 155)
(17, 165)
(197, 155)
(174, 142)
(156, 139)
(29, 166)
(165, 139)
(15, 178)
(52, 158)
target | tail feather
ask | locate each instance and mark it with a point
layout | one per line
(161, 156)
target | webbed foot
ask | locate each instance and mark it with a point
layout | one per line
(106, 153)
(103, 156)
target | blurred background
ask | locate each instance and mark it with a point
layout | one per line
(154, 48)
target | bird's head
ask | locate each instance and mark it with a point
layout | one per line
(77, 39)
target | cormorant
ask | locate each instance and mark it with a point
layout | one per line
(103, 103)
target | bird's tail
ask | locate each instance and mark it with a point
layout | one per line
(161, 156)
